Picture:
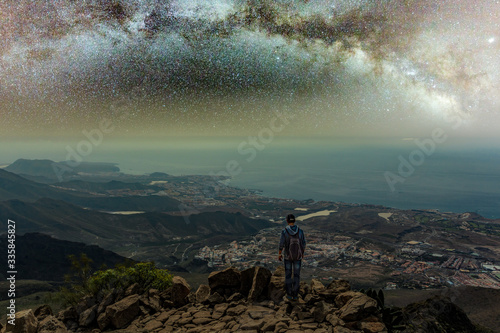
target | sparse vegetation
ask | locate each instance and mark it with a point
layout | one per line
(83, 282)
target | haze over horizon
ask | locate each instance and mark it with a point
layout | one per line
(167, 69)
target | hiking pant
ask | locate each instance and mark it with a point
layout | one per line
(292, 285)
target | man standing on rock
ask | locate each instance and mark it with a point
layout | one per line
(294, 243)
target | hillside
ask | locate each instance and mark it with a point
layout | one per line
(41, 257)
(50, 170)
(14, 187)
(114, 231)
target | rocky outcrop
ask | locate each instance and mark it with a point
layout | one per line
(235, 301)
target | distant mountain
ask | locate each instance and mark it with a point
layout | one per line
(112, 231)
(41, 257)
(14, 187)
(50, 170)
(81, 185)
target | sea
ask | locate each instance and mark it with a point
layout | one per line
(399, 173)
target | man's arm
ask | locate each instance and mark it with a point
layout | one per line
(281, 246)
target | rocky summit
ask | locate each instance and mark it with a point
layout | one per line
(251, 300)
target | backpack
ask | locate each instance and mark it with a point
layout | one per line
(295, 249)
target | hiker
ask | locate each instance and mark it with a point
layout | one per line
(294, 243)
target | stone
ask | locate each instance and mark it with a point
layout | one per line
(108, 299)
(85, 303)
(103, 321)
(276, 287)
(343, 298)
(309, 326)
(124, 311)
(304, 289)
(26, 322)
(202, 314)
(340, 329)
(202, 293)
(317, 286)
(42, 312)
(358, 307)
(152, 325)
(88, 316)
(133, 289)
(339, 286)
(260, 283)
(219, 310)
(180, 289)
(68, 314)
(258, 312)
(320, 311)
(236, 311)
(235, 297)
(247, 323)
(172, 320)
(51, 324)
(334, 320)
(201, 321)
(373, 327)
(230, 277)
(215, 298)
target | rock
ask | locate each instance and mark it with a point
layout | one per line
(246, 279)
(235, 297)
(123, 312)
(152, 325)
(358, 307)
(42, 312)
(51, 324)
(339, 286)
(179, 290)
(219, 310)
(334, 320)
(88, 316)
(259, 312)
(67, 314)
(343, 298)
(202, 293)
(247, 323)
(317, 286)
(320, 311)
(230, 277)
(103, 321)
(201, 321)
(108, 299)
(340, 329)
(215, 298)
(133, 289)
(85, 303)
(304, 289)
(437, 314)
(260, 283)
(236, 311)
(373, 327)
(276, 287)
(25, 322)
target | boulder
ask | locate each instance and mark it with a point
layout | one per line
(26, 322)
(225, 282)
(202, 293)
(317, 286)
(343, 298)
(321, 310)
(276, 287)
(42, 312)
(180, 289)
(108, 299)
(215, 298)
(260, 283)
(339, 286)
(51, 324)
(357, 308)
(122, 312)
(88, 316)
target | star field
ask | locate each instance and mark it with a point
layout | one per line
(386, 68)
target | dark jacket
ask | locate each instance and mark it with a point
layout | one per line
(284, 240)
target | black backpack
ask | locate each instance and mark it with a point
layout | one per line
(295, 249)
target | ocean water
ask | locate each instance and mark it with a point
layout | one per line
(451, 178)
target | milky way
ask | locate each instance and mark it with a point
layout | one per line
(225, 67)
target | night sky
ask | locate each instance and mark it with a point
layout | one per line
(348, 68)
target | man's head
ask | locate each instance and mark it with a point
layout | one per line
(290, 219)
